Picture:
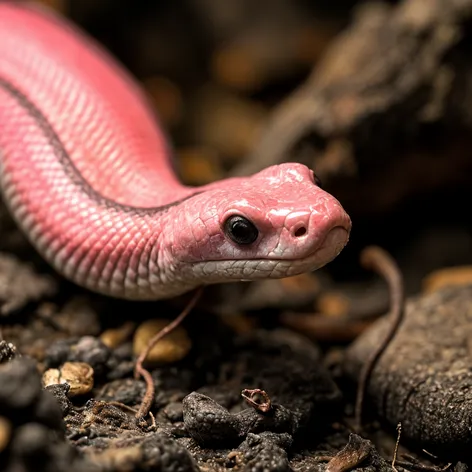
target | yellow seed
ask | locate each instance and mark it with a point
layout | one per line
(113, 338)
(171, 348)
(5, 433)
(79, 376)
(51, 377)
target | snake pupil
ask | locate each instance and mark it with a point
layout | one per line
(241, 230)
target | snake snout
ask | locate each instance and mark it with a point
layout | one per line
(334, 233)
(313, 231)
(334, 242)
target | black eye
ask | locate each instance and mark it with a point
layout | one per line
(240, 230)
(317, 181)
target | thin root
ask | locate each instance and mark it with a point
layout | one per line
(424, 468)
(375, 258)
(148, 398)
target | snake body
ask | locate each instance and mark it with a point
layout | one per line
(86, 172)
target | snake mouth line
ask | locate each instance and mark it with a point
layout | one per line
(336, 238)
(331, 246)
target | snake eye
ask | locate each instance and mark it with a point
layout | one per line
(317, 181)
(240, 230)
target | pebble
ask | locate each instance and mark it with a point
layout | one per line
(32, 432)
(210, 424)
(92, 351)
(78, 375)
(155, 452)
(87, 349)
(60, 391)
(18, 386)
(265, 452)
(172, 348)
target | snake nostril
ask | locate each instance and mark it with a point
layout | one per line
(300, 232)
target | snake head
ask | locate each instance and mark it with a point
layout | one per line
(275, 224)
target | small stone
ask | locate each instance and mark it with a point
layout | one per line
(86, 349)
(23, 400)
(48, 412)
(127, 391)
(262, 453)
(19, 386)
(59, 351)
(35, 447)
(91, 351)
(78, 375)
(32, 441)
(174, 411)
(172, 348)
(209, 423)
(60, 391)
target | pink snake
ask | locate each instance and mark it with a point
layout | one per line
(87, 175)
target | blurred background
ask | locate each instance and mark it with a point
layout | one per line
(374, 96)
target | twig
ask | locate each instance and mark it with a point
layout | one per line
(141, 371)
(122, 406)
(414, 463)
(424, 468)
(375, 258)
(430, 454)
(395, 452)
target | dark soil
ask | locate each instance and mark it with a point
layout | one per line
(376, 98)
